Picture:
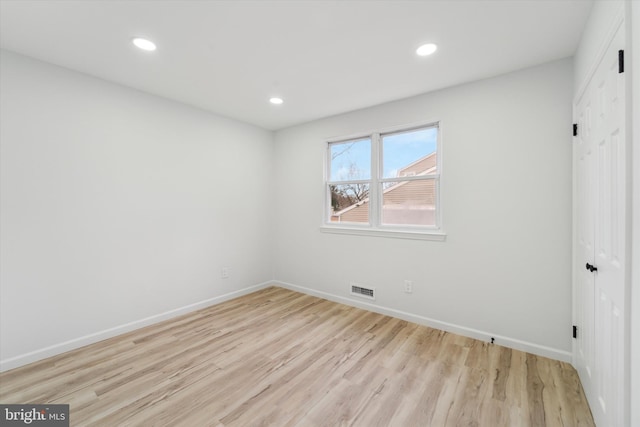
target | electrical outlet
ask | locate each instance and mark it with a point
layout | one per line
(408, 286)
(224, 272)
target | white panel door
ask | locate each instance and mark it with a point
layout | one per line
(599, 295)
(584, 293)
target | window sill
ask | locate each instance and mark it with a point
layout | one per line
(433, 235)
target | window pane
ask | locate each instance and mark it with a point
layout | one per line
(410, 153)
(349, 203)
(409, 202)
(350, 160)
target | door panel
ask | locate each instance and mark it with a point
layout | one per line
(599, 295)
(585, 286)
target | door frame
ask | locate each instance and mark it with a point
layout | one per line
(633, 28)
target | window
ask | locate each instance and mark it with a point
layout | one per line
(385, 182)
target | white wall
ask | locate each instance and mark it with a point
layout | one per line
(118, 206)
(505, 267)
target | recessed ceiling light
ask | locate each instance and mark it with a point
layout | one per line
(144, 44)
(276, 100)
(426, 49)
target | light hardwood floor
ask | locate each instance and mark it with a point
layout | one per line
(281, 358)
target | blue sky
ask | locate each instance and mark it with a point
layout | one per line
(352, 160)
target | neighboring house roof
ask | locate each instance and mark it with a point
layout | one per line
(420, 166)
(404, 190)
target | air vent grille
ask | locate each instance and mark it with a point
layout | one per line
(362, 291)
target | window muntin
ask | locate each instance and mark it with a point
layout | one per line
(402, 193)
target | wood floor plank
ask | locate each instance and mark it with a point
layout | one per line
(280, 358)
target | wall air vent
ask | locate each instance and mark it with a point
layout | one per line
(362, 291)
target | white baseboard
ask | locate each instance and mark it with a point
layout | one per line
(43, 353)
(540, 350)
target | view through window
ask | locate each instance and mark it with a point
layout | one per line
(385, 180)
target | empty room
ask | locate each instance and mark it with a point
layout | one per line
(320, 213)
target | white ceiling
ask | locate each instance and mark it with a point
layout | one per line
(323, 57)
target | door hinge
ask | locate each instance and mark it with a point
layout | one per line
(621, 61)
(575, 331)
(575, 129)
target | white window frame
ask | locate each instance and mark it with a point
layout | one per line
(375, 226)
